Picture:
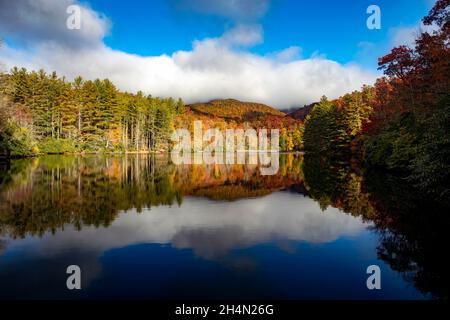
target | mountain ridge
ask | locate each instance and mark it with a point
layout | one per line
(234, 109)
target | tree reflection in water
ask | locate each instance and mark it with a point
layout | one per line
(46, 194)
(412, 231)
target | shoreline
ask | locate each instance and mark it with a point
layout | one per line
(125, 153)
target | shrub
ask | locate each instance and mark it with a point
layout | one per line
(57, 146)
(17, 140)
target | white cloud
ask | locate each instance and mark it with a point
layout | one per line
(408, 35)
(243, 35)
(32, 21)
(213, 68)
(289, 54)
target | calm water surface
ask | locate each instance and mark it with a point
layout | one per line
(141, 227)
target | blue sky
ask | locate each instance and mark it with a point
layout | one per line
(330, 27)
(285, 53)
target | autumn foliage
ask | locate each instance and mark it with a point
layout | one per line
(402, 122)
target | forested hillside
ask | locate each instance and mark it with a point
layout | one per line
(302, 113)
(42, 112)
(402, 123)
(234, 109)
(234, 114)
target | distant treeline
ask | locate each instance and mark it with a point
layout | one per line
(41, 112)
(402, 123)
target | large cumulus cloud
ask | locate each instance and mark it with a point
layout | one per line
(37, 21)
(219, 67)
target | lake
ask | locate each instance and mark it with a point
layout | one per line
(139, 226)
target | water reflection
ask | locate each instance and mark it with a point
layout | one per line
(212, 229)
(46, 193)
(87, 206)
(412, 232)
